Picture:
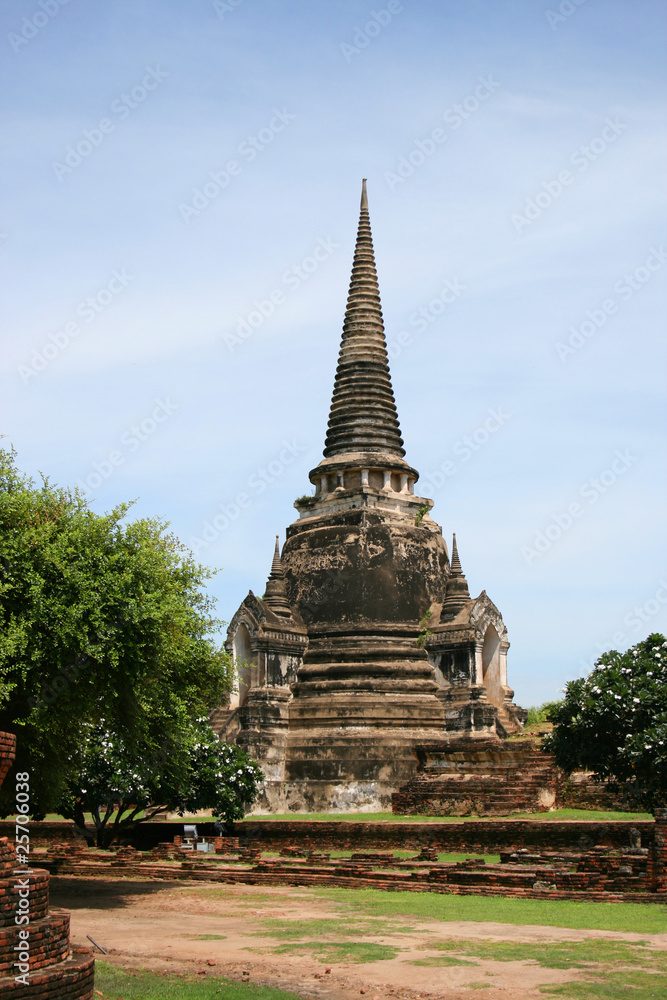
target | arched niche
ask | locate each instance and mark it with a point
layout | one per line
(491, 668)
(246, 668)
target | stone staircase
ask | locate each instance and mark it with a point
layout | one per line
(486, 777)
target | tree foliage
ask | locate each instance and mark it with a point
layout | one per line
(541, 713)
(103, 621)
(119, 787)
(614, 722)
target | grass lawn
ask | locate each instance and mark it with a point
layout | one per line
(206, 817)
(640, 918)
(605, 969)
(125, 984)
(329, 926)
(490, 859)
(609, 970)
(387, 817)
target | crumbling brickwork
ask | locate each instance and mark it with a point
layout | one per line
(52, 970)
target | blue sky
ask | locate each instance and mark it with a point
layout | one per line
(181, 195)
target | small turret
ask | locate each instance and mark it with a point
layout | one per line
(457, 595)
(275, 595)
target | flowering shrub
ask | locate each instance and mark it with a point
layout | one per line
(222, 776)
(120, 783)
(614, 722)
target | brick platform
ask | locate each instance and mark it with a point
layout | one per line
(55, 972)
(610, 861)
(474, 836)
(601, 874)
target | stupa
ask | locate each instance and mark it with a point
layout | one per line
(366, 641)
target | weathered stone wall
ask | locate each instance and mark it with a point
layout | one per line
(580, 791)
(485, 777)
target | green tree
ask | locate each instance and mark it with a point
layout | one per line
(614, 722)
(541, 713)
(119, 787)
(101, 618)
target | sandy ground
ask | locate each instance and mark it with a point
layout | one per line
(160, 925)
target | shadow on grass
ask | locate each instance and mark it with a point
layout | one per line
(100, 894)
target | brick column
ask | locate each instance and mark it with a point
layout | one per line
(659, 852)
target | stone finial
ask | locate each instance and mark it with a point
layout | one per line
(276, 565)
(363, 415)
(456, 562)
(457, 595)
(275, 595)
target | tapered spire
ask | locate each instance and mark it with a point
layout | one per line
(456, 562)
(275, 595)
(363, 415)
(457, 595)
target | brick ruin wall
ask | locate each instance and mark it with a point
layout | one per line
(54, 971)
(627, 862)
(477, 836)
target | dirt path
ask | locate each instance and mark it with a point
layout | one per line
(223, 930)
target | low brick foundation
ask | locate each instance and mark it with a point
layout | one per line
(599, 874)
(475, 836)
(595, 861)
(62, 833)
